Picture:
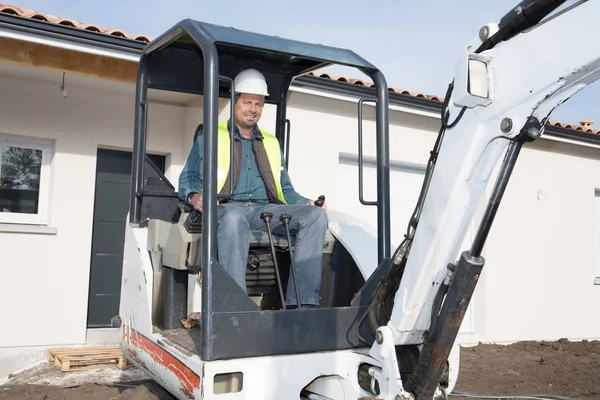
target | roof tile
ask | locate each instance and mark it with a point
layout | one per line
(585, 126)
(14, 10)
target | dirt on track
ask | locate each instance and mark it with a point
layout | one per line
(561, 368)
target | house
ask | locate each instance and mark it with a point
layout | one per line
(66, 132)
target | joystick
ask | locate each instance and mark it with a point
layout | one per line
(319, 202)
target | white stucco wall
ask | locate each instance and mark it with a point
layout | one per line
(539, 277)
(44, 278)
(322, 128)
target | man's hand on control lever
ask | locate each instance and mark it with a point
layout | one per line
(196, 202)
(320, 202)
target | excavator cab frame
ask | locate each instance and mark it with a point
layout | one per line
(201, 58)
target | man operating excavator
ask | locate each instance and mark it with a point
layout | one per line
(261, 185)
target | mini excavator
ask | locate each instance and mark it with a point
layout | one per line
(387, 323)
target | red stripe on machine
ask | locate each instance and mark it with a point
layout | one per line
(188, 378)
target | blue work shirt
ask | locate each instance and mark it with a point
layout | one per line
(250, 186)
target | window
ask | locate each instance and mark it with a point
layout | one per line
(24, 180)
(596, 244)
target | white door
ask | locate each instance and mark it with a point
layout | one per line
(406, 180)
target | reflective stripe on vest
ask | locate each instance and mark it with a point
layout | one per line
(271, 148)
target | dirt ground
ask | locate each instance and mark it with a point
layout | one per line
(559, 370)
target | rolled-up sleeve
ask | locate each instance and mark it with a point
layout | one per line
(190, 179)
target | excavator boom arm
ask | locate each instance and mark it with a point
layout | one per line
(503, 92)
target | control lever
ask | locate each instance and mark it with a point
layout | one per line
(285, 219)
(266, 216)
(253, 262)
(319, 202)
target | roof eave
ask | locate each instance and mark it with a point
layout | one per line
(572, 134)
(350, 89)
(28, 26)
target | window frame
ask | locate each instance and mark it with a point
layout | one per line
(41, 218)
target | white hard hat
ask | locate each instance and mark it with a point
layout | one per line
(251, 81)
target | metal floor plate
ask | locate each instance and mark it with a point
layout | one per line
(190, 339)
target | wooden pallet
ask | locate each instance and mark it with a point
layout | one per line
(87, 358)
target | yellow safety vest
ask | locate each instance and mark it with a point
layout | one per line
(271, 146)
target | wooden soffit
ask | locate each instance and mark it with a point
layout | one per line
(55, 58)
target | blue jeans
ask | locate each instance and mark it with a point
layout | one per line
(308, 224)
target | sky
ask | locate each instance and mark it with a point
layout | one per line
(416, 44)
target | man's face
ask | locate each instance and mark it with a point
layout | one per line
(248, 109)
